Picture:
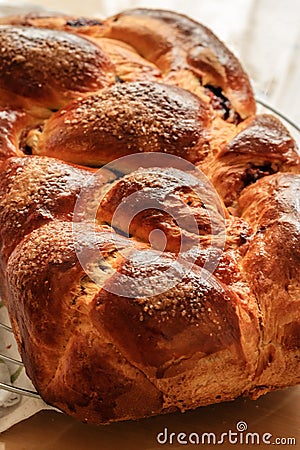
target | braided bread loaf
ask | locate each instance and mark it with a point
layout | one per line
(182, 313)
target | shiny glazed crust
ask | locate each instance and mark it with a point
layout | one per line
(78, 93)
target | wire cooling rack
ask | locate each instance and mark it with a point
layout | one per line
(263, 108)
(16, 362)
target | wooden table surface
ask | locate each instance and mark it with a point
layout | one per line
(265, 36)
(277, 414)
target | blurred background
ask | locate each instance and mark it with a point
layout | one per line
(264, 34)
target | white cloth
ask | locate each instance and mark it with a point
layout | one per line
(14, 407)
(7, 399)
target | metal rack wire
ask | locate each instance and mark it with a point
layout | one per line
(10, 387)
(279, 114)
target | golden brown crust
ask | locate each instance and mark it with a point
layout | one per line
(57, 21)
(262, 147)
(174, 42)
(48, 68)
(188, 322)
(42, 188)
(183, 51)
(14, 124)
(272, 266)
(129, 65)
(181, 197)
(113, 321)
(128, 118)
